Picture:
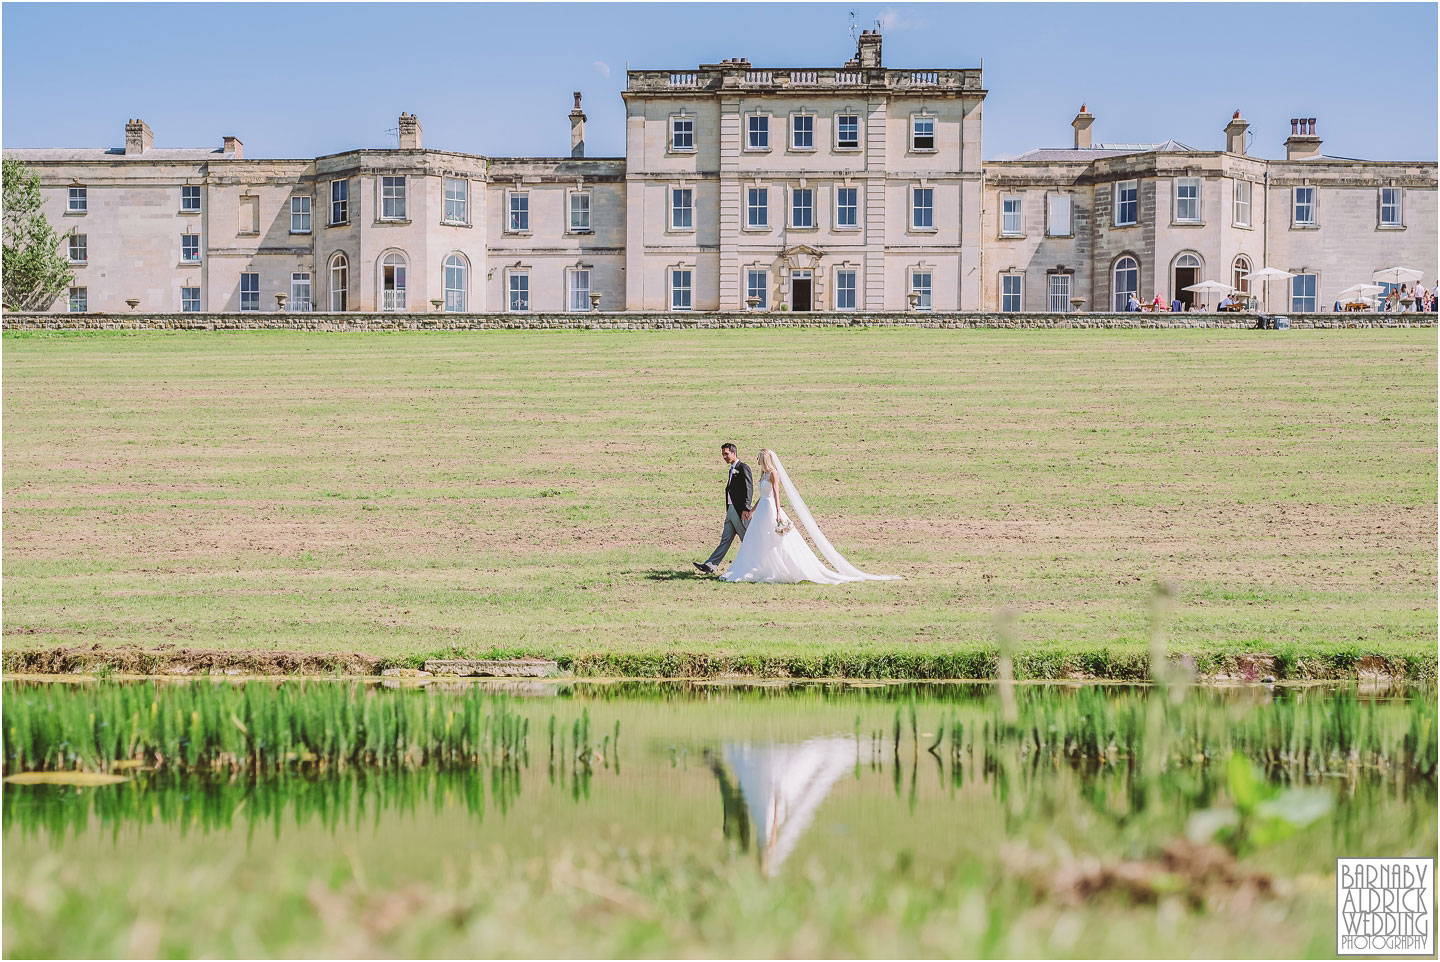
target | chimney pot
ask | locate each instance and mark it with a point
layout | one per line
(1302, 142)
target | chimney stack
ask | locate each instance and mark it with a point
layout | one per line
(1082, 123)
(1302, 142)
(138, 137)
(577, 129)
(869, 52)
(234, 147)
(1235, 134)
(409, 132)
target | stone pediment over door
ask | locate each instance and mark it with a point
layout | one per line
(799, 257)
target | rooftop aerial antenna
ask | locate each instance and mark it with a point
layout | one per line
(853, 39)
(395, 133)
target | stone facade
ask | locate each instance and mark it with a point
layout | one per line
(852, 188)
(767, 154)
(1172, 211)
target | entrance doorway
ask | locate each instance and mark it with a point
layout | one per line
(1187, 273)
(801, 285)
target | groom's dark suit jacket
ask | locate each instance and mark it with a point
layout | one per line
(740, 487)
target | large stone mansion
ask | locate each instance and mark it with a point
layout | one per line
(851, 188)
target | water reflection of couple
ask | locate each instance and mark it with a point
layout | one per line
(776, 790)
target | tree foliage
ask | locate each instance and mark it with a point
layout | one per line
(35, 269)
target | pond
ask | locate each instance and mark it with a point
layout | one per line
(341, 818)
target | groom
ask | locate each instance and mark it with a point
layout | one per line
(738, 489)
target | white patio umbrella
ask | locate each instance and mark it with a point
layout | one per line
(1362, 291)
(1265, 275)
(1207, 287)
(1398, 275)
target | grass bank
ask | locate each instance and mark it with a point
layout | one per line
(278, 498)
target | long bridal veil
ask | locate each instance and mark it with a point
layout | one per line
(807, 521)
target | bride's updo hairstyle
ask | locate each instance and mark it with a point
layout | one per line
(766, 460)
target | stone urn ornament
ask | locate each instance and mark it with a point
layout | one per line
(595, 302)
(914, 298)
(280, 300)
(437, 303)
(752, 302)
(134, 302)
(1076, 303)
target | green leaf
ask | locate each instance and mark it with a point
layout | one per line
(1246, 788)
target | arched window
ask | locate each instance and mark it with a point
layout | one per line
(392, 282)
(339, 282)
(1241, 278)
(1127, 281)
(456, 273)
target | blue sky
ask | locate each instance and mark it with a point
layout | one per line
(300, 80)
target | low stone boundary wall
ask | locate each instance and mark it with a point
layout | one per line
(650, 321)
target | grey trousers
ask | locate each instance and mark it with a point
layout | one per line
(734, 525)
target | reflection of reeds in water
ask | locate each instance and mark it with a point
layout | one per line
(1295, 737)
(257, 727)
(210, 802)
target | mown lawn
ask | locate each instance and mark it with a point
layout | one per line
(539, 493)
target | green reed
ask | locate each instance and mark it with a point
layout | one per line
(1299, 737)
(257, 726)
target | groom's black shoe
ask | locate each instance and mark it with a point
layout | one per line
(704, 568)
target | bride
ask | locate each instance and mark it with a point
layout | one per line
(773, 550)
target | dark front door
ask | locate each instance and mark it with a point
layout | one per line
(1184, 277)
(800, 294)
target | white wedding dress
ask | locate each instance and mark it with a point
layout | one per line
(784, 559)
